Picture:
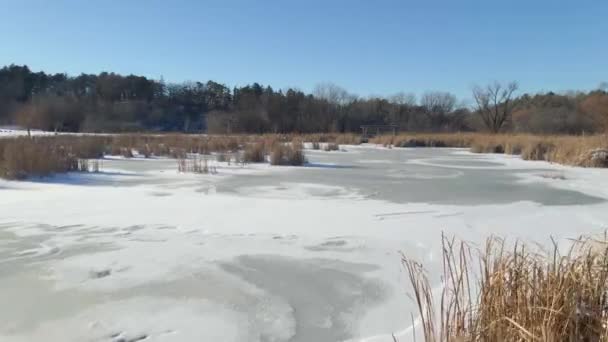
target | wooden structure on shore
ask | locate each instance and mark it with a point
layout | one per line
(368, 131)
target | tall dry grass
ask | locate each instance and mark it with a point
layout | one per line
(425, 140)
(20, 157)
(291, 154)
(23, 157)
(196, 164)
(515, 293)
(255, 152)
(331, 147)
(585, 151)
(39, 156)
(338, 138)
(174, 144)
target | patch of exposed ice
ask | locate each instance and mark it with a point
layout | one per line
(374, 161)
(292, 191)
(407, 175)
(144, 318)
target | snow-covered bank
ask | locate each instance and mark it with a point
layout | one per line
(257, 253)
(14, 131)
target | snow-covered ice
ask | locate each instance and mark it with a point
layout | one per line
(261, 253)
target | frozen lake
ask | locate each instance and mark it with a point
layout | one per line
(140, 252)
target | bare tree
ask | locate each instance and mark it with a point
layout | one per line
(333, 93)
(437, 105)
(494, 104)
(30, 115)
(402, 98)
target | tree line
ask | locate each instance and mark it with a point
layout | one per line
(109, 102)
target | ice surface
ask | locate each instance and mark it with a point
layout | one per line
(260, 253)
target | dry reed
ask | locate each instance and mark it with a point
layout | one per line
(195, 164)
(42, 156)
(254, 153)
(287, 154)
(23, 157)
(331, 147)
(516, 293)
(585, 151)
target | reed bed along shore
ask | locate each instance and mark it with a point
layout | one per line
(24, 157)
(37, 156)
(585, 151)
(516, 293)
(21, 157)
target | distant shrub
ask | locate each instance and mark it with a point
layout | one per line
(287, 154)
(331, 147)
(515, 148)
(348, 139)
(411, 143)
(90, 147)
(126, 152)
(195, 165)
(538, 151)
(254, 153)
(145, 150)
(487, 148)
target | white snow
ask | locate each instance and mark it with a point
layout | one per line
(146, 259)
(15, 131)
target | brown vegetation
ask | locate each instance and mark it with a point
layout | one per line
(254, 153)
(45, 155)
(515, 294)
(585, 151)
(22, 157)
(195, 164)
(42, 156)
(331, 147)
(287, 154)
(346, 139)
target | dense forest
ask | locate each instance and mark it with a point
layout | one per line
(109, 102)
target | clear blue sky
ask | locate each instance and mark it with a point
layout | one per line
(369, 47)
